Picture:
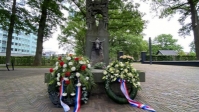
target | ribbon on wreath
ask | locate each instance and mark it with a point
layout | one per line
(133, 102)
(77, 98)
(61, 90)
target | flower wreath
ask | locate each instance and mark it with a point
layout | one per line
(70, 72)
(121, 70)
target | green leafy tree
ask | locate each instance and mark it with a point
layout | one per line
(125, 27)
(47, 15)
(165, 42)
(14, 18)
(185, 8)
(74, 33)
(192, 45)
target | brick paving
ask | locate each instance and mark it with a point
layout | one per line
(167, 89)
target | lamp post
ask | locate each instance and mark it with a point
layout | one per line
(150, 50)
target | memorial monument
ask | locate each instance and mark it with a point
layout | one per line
(97, 33)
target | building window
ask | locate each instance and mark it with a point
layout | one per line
(16, 38)
(3, 42)
(15, 49)
(16, 43)
(12, 43)
(5, 36)
(11, 49)
(0, 41)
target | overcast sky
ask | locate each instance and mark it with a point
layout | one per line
(154, 28)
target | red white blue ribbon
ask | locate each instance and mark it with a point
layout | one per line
(77, 98)
(61, 90)
(133, 102)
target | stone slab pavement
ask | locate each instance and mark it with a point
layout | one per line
(167, 89)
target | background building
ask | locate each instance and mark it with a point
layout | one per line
(22, 44)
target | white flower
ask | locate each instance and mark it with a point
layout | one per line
(116, 65)
(58, 75)
(58, 83)
(138, 83)
(70, 63)
(64, 70)
(73, 69)
(116, 74)
(105, 72)
(77, 74)
(66, 79)
(130, 74)
(65, 65)
(87, 61)
(78, 84)
(80, 62)
(89, 65)
(126, 70)
(87, 78)
(56, 67)
(68, 58)
(64, 94)
(72, 94)
(56, 63)
(57, 78)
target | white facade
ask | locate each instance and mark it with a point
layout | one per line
(21, 44)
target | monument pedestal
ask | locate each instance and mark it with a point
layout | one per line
(99, 88)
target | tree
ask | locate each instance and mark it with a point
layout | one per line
(125, 27)
(47, 20)
(73, 34)
(14, 18)
(185, 8)
(192, 45)
(165, 42)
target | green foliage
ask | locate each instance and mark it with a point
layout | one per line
(73, 34)
(125, 27)
(99, 65)
(165, 42)
(26, 61)
(192, 45)
(55, 16)
(171, 58)
(185, 8)
(168, 8)
(22, 19)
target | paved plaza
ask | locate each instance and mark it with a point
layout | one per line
(167, 89)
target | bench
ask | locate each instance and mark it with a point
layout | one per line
(8, 64)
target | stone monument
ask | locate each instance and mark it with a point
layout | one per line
(97, 33)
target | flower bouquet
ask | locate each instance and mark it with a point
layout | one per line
(71, 77)
(127, 58)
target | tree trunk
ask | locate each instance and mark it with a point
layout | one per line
(10, 32)
(40, 35)
(195, 26)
